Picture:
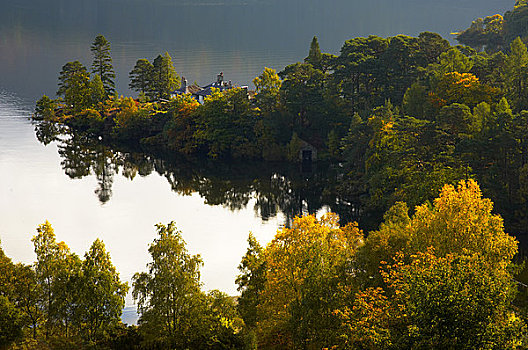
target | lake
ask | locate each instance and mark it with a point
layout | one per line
(88, 191)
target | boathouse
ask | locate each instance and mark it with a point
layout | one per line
(307, 152)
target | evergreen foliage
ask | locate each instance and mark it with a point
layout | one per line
(141, 76)
(102, 64)
(45, 108)
(74, 86)
(315, 57)
(164, 78)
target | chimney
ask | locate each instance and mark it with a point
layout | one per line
(183, 85)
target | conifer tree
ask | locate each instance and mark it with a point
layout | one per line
(74, 82)
(515, 74)
(315, 57)
(102, 63)
(141, 76)
(97, 92)
(164, 77)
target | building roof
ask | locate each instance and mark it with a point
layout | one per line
(204, 91)
(207, 90)
(193, 89)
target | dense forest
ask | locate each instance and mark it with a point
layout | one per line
(402, 117)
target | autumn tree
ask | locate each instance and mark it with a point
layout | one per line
(445, 279)
(305, 265)
(133, 121)
(383, 244)
(461, 221)
(457, 302)
(433, 302)
(464, 88)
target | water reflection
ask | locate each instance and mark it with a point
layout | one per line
(288, 189)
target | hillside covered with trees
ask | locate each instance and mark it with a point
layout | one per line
(401, 117)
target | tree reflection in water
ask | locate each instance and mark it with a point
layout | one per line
(275, 188)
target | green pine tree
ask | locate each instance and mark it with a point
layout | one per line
(315, 57)
(164, 77)
(102, 63)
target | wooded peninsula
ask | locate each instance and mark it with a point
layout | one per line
(424, 133)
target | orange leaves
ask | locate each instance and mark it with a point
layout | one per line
(454, 85)
(442, 279)
(367, 322)
(430, 301)
(464, 88)
(127, 110)
(439, 279)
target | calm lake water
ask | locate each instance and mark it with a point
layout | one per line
(87, 191)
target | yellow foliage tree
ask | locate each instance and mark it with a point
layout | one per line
(133, 120)
(465, 88)
(461, 222)
(444, 280)
(305, 266)
(432, 302)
